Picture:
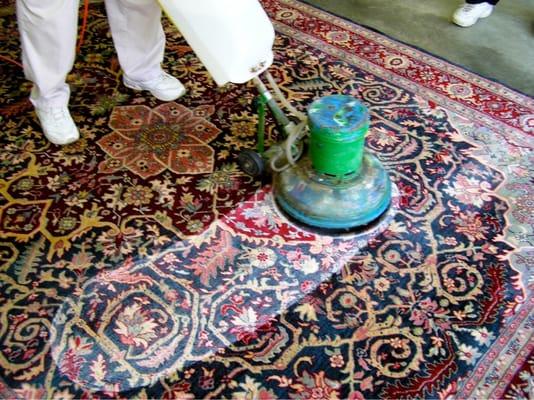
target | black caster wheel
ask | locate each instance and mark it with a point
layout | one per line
(251, 163)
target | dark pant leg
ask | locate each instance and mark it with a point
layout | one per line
(493, 2)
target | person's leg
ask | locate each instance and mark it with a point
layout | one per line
(472, 10)
(48, 39)
(140, 43)
(138, 36)
(492, 2)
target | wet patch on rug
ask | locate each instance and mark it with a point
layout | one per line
(220, 291)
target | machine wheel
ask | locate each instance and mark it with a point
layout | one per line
(251, 163)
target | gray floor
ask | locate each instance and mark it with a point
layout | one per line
(500, 47)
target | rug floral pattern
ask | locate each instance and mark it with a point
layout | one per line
(140, 262)
(169, 137)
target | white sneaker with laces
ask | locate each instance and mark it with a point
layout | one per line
(58, 126)
(468, 14)
(165, 87)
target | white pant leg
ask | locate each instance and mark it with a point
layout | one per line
(138, 36)
(48, 30)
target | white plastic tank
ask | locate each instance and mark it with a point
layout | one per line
(232, 38)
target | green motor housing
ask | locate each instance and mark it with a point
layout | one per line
(338, 125)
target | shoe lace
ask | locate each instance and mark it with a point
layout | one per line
(162, 79)
(56, 115)
(469, 7)
(59, 115)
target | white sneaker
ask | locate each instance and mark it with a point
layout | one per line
(58, 126)
(469, 14)
(165, 87)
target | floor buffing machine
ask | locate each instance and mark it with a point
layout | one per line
(337, 185)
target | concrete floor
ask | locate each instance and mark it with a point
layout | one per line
(500, 47)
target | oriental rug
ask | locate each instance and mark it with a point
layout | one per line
(140, 262)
